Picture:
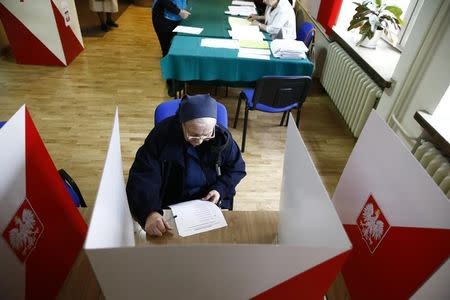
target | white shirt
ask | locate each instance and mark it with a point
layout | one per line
(281, 21)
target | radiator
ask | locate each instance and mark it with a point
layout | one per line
(353, 92)
(436, 164)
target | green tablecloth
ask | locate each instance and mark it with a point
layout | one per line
(210, 15)
(188, 61)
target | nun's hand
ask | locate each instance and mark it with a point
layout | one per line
(212, 196)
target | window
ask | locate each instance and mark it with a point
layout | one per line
(410, 10)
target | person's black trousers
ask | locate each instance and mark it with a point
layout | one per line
(164, 30)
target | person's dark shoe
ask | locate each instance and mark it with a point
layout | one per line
(111, 23)
(170, 91)
(104, 27)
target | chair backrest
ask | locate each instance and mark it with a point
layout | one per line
(169, 108)
(72, 188)
(2, 123)
(306, 33)
(281, 91)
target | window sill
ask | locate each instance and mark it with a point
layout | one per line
(379, 63)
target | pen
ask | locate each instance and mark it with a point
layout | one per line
(171, 218)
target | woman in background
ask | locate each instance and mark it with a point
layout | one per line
(278, 20)
(104, 10)
(166, 15)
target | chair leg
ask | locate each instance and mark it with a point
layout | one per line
(226, 91)
(282, 118)
(298, 116)
(238, 108)
(244, 132)
(287, 117)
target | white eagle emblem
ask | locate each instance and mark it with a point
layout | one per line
(23, 236)
(372, 228)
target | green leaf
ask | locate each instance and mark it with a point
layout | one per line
(378, 2)
(356, 24)
(395, 10)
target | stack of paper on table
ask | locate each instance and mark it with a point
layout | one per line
(241, 10)
(288, 48)
(233, 21)
(188, 29)
(219, 43)
(253, 44)
(197, 216)
(242, 32)
(243, 3)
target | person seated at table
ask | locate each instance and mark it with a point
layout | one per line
(166, 15)
(278, 20)
(187, 156)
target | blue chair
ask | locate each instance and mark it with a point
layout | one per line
(169, 108)
(306, 33)
(274, 94)
(72, 188)
(2, 123)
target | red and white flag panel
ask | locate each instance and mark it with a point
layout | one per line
(42, 231)
(395, 215)
(43, 32)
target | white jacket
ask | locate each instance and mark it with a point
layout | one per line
(281, 21)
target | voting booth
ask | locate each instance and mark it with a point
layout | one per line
(42, 32)
(397, 219)
(311, 247)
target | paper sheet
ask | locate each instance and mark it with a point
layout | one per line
(219, 43)
(241, 10)
(243, 54)
(246, 33)
(197, 216)
(243, 3)
(188, 29)
(233, 21)
(254, 51)
(253, 44)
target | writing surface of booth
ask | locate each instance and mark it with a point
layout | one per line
(303, 264)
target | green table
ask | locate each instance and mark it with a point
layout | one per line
(210, 15)
(188, 61)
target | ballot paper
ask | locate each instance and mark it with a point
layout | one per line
(197, 216)
(188, 29)
(219, 43)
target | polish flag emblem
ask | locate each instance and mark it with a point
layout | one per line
(372, 224)
(24, 230)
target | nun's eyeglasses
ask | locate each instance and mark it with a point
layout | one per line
(206, 137)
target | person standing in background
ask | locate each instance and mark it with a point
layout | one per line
(104, 10)
(166, 15)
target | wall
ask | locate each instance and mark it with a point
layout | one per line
(423, 72)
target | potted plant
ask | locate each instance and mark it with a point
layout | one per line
(373, 17)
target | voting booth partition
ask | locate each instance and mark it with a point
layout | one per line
(397, 219)
(312, 244)
(42, 32)
(41, 230)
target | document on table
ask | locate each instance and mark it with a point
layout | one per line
(241, 10)
(197, 216)
(253, 44)
(243, 3)
(188, 29)
(219, 43)
(244, 54)
(233, 21)
(242, 32)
